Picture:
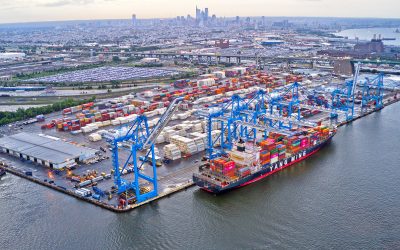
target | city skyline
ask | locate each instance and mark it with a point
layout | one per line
(59, 10)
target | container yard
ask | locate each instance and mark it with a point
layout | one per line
(124, 152)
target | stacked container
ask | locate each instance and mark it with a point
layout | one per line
(304, 142)
(225, 168)
(184, 144)
(281, 151)
(172, 152)
(243, 172)
(95, 137)
(293, 145)
(265, 157)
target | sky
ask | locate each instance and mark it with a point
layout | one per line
(12, 11)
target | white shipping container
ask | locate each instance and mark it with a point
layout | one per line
(183, 116)
(151, 113)
(98, 178)
(106, 123)
(172, 152)
(88, 128)
(160, 139)
(123, 120)
(94, 137)
(197, 127)
(201, 147)
(115, 122)
(181, 132)
(131, 118)
(274, 160)
(240, 70)
(148, 93)
(206, 82)
(161, 111)
(219, 74)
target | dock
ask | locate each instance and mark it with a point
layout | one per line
(173, 182)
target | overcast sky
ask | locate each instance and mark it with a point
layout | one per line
(48, 10)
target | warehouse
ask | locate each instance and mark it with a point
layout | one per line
(45, 150)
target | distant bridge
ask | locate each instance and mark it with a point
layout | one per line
(260, 59)
(234, 58)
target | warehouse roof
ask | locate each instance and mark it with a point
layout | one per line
(43, 147)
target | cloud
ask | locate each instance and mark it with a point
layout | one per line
(308, 1)
(59, 3)
(6, 4)
(19, 4)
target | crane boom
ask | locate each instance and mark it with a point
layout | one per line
(289, 119)
(356, 73)
(140, 138)
(311, 107)
(162, 122)
(257, 126)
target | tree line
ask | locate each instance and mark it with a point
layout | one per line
(7, 117)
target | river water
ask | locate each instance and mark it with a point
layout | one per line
(368, 34)
(346, 196)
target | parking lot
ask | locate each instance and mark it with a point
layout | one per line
(103, 74)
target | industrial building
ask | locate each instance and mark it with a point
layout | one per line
(150, 60)
(222, 43)
(272, 42)
(374, 46)
(45, 150)
(11, 56)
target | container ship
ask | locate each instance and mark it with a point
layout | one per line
(249, 162)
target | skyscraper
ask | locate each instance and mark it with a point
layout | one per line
(198, 13)
(134, 21)
(202, 16)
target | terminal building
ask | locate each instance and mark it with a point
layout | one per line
(45, 150)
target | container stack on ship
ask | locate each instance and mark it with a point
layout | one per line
(248, 162)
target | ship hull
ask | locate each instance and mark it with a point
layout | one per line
(265, 171)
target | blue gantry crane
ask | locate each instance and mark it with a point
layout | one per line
(285, 106)
(343, 99)
(141, 138)
(372, 91)
(277, 106)
(242, 118)
(231, 112)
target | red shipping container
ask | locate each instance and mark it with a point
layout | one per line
(75, 127)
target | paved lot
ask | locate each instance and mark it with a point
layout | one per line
(103, 74)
